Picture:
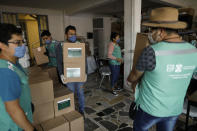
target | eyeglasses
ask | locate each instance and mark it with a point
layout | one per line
(18, 42)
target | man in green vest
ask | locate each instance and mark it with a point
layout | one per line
(164, 70)
(15, 99)
(50, 47)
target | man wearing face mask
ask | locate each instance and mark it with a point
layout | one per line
(165, 69)
(115, 56)
(50, 47)
(70, 34)
(15, 99)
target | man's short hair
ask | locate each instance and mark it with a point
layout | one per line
(45, 33)
(70, 27)
(114, 35)
(6, 32)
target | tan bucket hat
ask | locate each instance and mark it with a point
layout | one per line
(165, 17)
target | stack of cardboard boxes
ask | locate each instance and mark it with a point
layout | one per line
(54, 106)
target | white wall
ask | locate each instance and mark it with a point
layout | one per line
(83, 25)
(103, 47)
(55, 18)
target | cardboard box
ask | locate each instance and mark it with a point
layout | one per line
(74, 72)
(56, 124)
(73, 52)
(63, 102)
(76, 121)
(141, 42)
(74, 62)
(41, 89)
(34, 69)
(54, 76)
(38, 127)
(58, 87)
(39, 55)
(43, 112)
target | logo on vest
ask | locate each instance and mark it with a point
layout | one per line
(178, 68)
(174, 68)
(10, 66)
(170, 68)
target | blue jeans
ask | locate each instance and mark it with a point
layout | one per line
(143, 121)
(76, 87)
(115, 72)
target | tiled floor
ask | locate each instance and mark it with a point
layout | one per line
(105, 112)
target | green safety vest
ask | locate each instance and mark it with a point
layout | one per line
(52, 54)
(161, 92)
(116, 53)
(6, 122)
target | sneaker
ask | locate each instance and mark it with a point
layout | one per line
(114, 93)
(118, 89)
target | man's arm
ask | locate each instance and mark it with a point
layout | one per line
(17, 114)
(146, 62)
(134, 76)
(10, 93)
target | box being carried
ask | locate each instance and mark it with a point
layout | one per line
(141, 43)
(74, 62)
(39, 55)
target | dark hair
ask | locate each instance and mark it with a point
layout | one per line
(114, 35)
(45, 33)
(6, 32)
(70, 27)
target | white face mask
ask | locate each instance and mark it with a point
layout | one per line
(150, 38)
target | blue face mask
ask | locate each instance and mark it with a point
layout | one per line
(118, 40)
(47, 41)
(73, 39)
(20, 51)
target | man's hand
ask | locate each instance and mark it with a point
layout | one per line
(119, 60)
(134, 76)
(18, 115)
(85, 77)
(133, 85)
(63, 79)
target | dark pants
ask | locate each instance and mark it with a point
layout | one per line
(143, 121)
(115, 72)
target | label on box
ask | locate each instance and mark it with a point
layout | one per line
(39, 49)
(74, 52)
(63, 104)
(73, 72)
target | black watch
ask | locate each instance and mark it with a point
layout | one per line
(35, 129)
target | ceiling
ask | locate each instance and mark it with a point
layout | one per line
(105, 7)
(47, 4)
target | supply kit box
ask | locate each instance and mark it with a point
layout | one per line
(141, 43)
(63, 101)
(74, 62)
(39, 55)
